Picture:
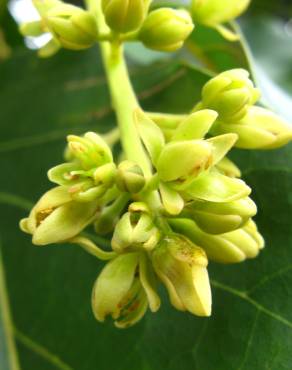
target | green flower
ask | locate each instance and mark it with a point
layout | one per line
(71, 27)
(166, 29)
(230, 94)
(182, 267)
(56, 217)
(219, 218)
(125, 15)
(91, 172)
(258, 129)
(135, 230)
(213, 13)
(130, 177)
(124, 289)
(231, 247)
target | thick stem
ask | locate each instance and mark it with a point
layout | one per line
(125, 103)
(124, 100)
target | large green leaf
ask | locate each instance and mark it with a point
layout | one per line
(270, 56)
(49, 288)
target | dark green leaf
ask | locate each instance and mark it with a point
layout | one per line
(50, 287)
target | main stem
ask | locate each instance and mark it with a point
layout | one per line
(123, 97)
(124, 102)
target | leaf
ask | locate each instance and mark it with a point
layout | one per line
(50, 287)
(8, 354)
(275, 83)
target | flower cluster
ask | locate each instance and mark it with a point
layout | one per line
(162, 29)
(190, 206)
(203, 210)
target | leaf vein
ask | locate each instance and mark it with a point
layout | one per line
(250, 339)
(270, 277)
(41, 350)
(254, 303)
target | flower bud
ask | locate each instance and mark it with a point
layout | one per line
(231, 247)
(72, 26)
(259, 129)
(56, 218)
(212, 13)
(124, 289)
(125, 15)
(135, 230)
(90, 151)
(117, 292)
(219, 218)
(230, 94)
(215, 187)
(181, 160)
(130, 177)
(91, 172)
(166, 29)
(37, 28)
(182, 267)
(105, 174)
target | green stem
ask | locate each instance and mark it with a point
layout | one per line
(92, 248)
(124, 102)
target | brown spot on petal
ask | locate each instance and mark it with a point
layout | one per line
(42, 215)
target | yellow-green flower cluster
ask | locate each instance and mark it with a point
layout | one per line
(189, 206)
(203, 208)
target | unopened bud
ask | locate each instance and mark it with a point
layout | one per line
(181, 160)
(125, 15)
(231, 247)
(215, 187)
(130, 177)
(166, 29)
(90, 150)
(230, 94)
(213, 13)
(219, 218)
(72, 26)
(259, 129)
(135, 231)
